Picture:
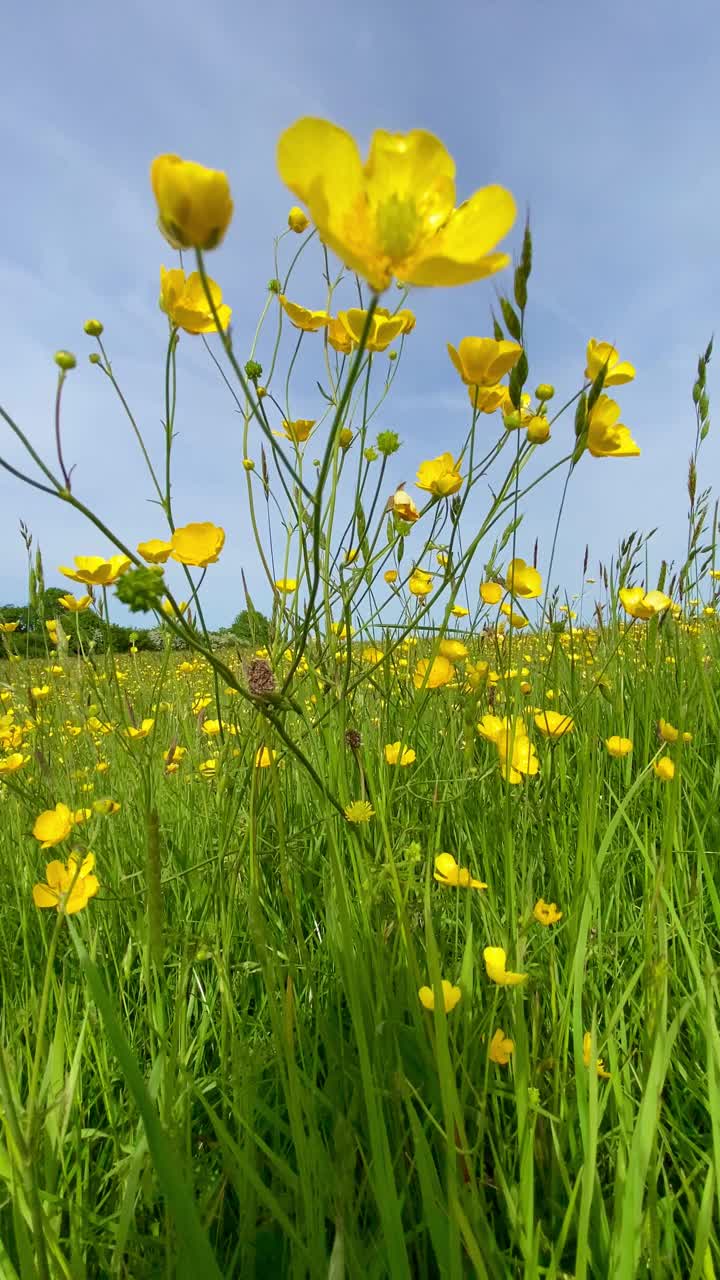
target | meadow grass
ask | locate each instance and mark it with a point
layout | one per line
(235, 1065)
(307, 1011)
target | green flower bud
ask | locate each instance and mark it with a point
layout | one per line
(141, 589)
(274, 286)
(545, 391)
(65, 360)
(253, 370)
(392, 355)
(93, 328)
(370, 455)
(388, 442)
(94, 358)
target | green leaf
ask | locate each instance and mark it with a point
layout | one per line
(198, 1258)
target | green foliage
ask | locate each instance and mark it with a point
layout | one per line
(251, 628)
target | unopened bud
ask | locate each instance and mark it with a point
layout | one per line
(93, 328)
(65, 360)
(388, 442)
(545, 391)
(538, 429)
(298, 220)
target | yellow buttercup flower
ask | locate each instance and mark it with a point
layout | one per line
(338, 336)
(669, 733)
(301, 317)
(608, 438)
(12, 763)
(491, 592)
(68, 887)
(194, 203)
(641, 605)
(402, 505)
(420, 583)
(75, 604)
(8, 627)
(155, 550)
(197, 544)
(264, 757)
(455, 650)
(298, 220)
(94, 571)
(451, 996)
(599, 1064)
(439, 476)
(516, 755)
(407, 316)
(448, 873)
(383, 329)
(459, 611)
(359, 811)
(554, 725)
(137, 732)
(286, 585)
(183, 300)
(394, 755)
(107, 807)
(523, 580)
(390, 575)
(374, 655)
(496, 968)
(476, 673)
(298, 430)
(546, 912)
(603, 354)
(517, 620)
(53, 825)
(664, 769)
(395, 215)
(208, 768)
(433, 674)
(618, 747)
(501, 1048)
(489, 399)
(483, 362)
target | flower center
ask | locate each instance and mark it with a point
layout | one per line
(397, 226)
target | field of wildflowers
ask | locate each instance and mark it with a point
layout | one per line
(382, 942)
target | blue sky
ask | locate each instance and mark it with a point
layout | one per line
(603, 120)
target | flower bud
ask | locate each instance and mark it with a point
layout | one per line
(253, 370)
(538, 429)
(274, 286)
(94, 357)
(298, 220)
(141, 589)
(388, 442)
(93, 328)
(248, 464)
(545, 391)
(65, 360)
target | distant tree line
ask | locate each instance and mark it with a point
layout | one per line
(250, 629)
